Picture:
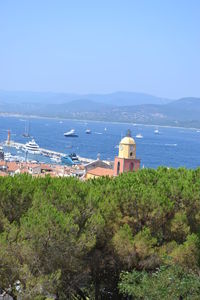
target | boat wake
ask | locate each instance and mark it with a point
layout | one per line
(98, 133)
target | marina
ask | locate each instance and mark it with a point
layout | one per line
(55, 156)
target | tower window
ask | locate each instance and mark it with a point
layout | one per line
(131, 153)
(131, 167)
(118, 167)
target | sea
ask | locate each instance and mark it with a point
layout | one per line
(172, 147)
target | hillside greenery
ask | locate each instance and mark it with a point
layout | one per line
(136, 236)
(126, 107)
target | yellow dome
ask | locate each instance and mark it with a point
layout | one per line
(127, 140)
(127, 148)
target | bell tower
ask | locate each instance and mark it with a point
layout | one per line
(126, 160)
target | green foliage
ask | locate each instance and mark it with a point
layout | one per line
(165, 283)
(60, 237)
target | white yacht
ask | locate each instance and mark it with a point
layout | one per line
(71, 133)
(32, 147)
(88, 131)
(156, 131)
(139, 136)
(7, 156)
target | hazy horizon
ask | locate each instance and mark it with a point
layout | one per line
(88, 47)
(90, 93)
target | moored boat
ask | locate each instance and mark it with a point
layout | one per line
(32, 147)
(27, 129)
(70, 160)
(74, 158)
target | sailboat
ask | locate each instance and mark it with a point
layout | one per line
(27, 129)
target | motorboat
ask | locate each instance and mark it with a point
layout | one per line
(156, 131)
(71, 133)
(7, 156)
(88, 131)
(70, 160)
(74, 158)
(32, 147)
(139, 136)
(66, 160)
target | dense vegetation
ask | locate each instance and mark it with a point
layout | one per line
(132, 237)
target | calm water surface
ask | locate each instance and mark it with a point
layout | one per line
(173, 147)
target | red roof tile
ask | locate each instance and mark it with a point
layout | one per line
(101, 172)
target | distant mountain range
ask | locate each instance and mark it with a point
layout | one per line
(117, 98)
(120, 106)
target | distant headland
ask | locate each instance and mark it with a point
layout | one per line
(124, 107)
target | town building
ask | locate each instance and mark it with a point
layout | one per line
(99, 172)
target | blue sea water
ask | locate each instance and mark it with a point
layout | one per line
(173, 147)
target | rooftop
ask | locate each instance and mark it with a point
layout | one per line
(101, 172)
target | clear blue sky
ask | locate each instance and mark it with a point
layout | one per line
(101, 46)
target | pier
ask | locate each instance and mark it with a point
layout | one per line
(46, 152)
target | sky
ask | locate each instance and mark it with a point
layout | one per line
(88, 46)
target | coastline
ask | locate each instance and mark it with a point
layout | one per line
(12, 115)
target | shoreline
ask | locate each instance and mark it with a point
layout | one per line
(11, 115)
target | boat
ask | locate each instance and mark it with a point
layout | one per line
(27, 129)
(156, 131)
(7, 156)
(139, 136)
(71, 133)
(88, 131)
(32, 147)
(70, 160)
(74, 158)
